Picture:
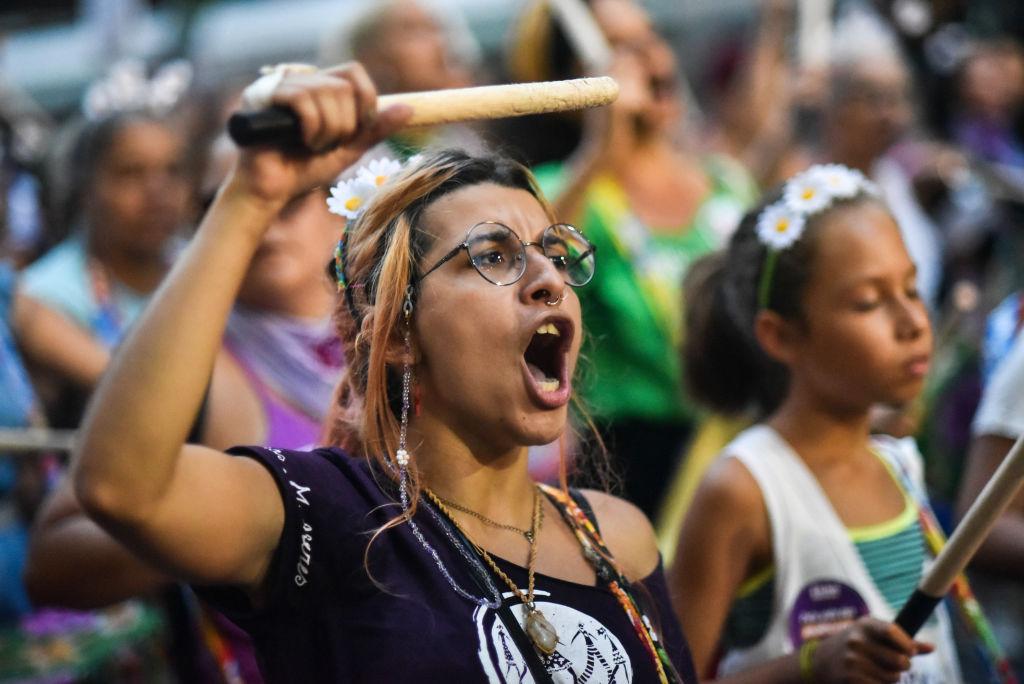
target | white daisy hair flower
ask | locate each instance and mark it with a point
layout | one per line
(378, 171)
(350, 197)
(870, 187)
(839, 181)
(779, 226)
(806, 193)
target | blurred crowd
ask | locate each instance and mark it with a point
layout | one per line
(924, 97)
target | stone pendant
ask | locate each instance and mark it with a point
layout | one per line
(541, 632)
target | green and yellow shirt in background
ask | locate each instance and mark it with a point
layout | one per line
(633, 309)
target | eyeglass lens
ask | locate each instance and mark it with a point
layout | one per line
(499, 256)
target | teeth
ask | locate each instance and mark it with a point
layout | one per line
(550, 384)
(548, 329)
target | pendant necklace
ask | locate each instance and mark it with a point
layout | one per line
(540, 630)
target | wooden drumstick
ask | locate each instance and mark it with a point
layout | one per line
(593, 50)
(814, 32)
(277, 125)
(583, 33)
(965, 540)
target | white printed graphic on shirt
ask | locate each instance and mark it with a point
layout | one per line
(587, 651)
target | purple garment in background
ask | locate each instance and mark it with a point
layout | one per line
(993, 141)
(322, 619)
(286, 426)
(299, 359)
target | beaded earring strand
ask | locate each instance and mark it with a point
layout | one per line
(402, 464)
(349, 199)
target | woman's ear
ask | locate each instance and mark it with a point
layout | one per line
(778, 337)
(395, 354)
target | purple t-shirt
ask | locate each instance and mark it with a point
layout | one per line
(323, 619)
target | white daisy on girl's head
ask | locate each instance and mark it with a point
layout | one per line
(378, 171)
(349, 197)
(806, 194)
(779, 226)
(840, 181)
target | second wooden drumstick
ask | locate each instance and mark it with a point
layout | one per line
(965, 540)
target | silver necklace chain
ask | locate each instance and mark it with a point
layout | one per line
(493, 603)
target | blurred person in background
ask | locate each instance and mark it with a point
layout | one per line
(868, 111)
(128, 199)
(755, 94)
(991, 87)
(996, 576)
(272, 383)
(20, 477)
(408, 46)
(128, 202)
(650, 207)
(22, 225)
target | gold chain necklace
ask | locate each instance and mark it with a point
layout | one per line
(528, 534)
(541, 632)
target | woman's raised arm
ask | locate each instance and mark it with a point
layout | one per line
(196, 512)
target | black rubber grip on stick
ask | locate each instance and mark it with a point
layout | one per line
(916, 611)
(277, 126)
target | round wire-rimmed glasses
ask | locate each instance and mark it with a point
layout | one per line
(499, 255)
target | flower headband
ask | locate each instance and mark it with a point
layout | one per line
(350, 197)
(807, 194)
(125, 88)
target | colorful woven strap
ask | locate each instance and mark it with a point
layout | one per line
(219, 648)
(962, 597)
(968, 606)
(609, 572)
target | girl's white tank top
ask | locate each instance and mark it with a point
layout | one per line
(821, 583)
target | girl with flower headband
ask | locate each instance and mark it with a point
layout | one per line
(420, 550)
(807, 534)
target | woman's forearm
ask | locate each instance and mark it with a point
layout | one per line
(56, 343)
(1002, 552)
(73, 563)
(145, 404)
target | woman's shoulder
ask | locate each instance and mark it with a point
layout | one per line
(69, 254)
(321, 479)
(901, 454)
(627, 532)
(728, 504)
(323, 458)
(729, 490)
(58, 279)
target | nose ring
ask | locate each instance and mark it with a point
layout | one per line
(557, 301)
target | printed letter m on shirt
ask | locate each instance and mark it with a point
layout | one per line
(300, 493)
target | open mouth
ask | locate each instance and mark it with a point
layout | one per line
(545, 361)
